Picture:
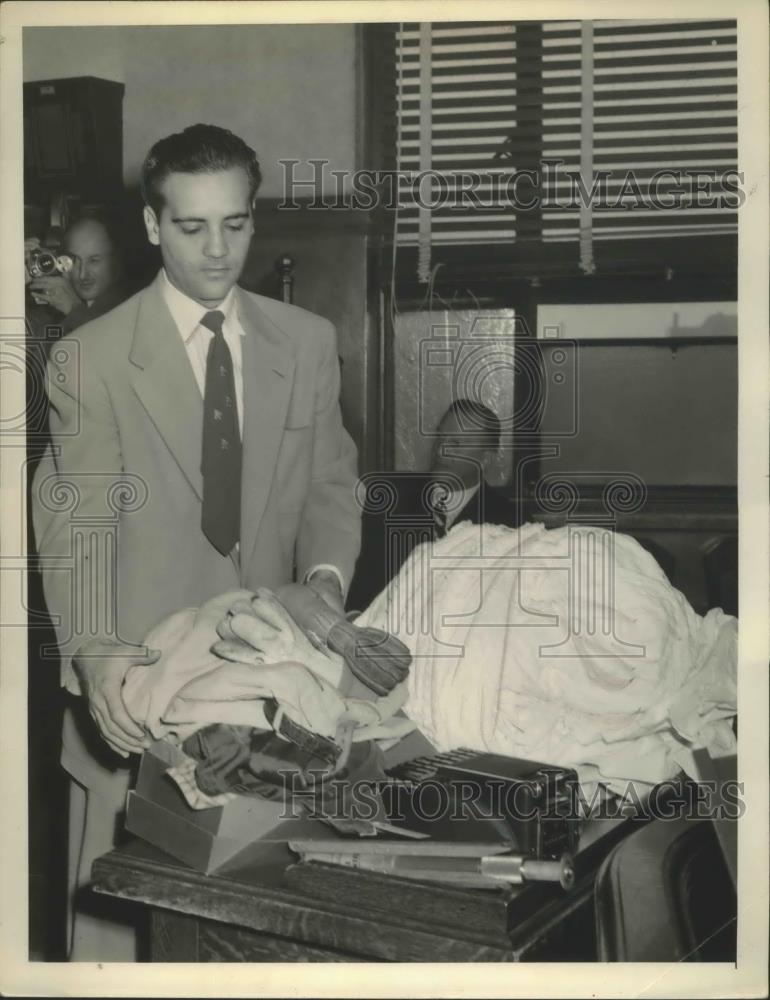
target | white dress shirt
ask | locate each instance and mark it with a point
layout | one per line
(187, 315)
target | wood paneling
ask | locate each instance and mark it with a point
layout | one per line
(332, 251)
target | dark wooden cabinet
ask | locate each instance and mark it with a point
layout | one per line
(263, 906)
(73, 138)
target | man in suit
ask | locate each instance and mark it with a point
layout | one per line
(57, 304)
(197, 432)
(94, 285)
(424, 506)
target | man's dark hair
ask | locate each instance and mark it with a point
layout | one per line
(476, 421)
(199, 149)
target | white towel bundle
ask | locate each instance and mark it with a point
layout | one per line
(567, 646)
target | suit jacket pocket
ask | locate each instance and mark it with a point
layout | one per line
(300, 412)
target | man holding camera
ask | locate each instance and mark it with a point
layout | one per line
(93, 284)
(218, 411)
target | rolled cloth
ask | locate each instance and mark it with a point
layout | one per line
(567, 646)
(373, 659)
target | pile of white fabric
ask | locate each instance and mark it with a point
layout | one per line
(202, 679)
(567, 646)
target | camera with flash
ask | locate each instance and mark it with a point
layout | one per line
(41, 262)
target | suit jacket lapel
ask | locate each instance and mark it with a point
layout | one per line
(268, 374)
(165, 383)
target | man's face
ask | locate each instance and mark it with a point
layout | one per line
(93, 270)
(454, 453)
(203, 231)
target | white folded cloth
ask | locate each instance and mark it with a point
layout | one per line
(192, 685)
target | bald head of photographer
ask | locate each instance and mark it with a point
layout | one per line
(91, 283)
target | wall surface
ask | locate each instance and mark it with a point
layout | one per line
(289, 91)
(666, 414)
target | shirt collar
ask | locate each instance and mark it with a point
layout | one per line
(187, 313)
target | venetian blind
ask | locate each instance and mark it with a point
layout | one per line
(646, 111)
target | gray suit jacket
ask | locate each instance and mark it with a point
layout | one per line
(117, 497)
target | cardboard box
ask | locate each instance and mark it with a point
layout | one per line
(204, 839)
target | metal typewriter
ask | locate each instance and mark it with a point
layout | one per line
(534, 805)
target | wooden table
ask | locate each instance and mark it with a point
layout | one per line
(264, 907)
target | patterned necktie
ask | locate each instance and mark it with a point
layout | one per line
(221, 451)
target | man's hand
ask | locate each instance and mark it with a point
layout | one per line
(101, 665)
(33, 243)
(55, 290)
(327, 585)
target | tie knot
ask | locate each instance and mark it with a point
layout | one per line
(213, 320)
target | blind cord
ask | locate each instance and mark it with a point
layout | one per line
(587, 265)
(399, 99)
(426, 138)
